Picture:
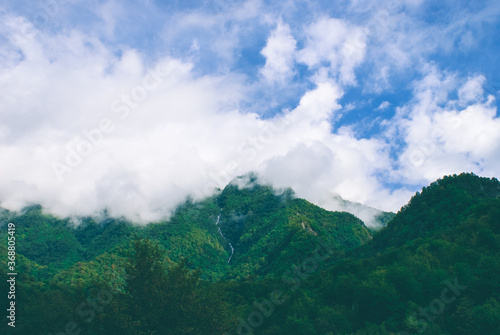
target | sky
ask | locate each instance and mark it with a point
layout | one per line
(133, 106)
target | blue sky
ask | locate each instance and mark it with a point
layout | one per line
(362, 99)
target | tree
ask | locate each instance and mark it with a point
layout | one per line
(170, 300)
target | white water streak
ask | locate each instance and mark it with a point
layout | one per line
(221, 234)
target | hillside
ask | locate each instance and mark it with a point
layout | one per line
(265, 227)
(68, 258)
(438, 208)
(223, 258)
(269, 230)
(433, 270)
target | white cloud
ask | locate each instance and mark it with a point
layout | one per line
(472, 90)
(279, 52)
(174, 114)
(398, 42)
(109, 11)
(340, 44)
(319, 163)
(142, 151)
(384, 105)
(446, 136)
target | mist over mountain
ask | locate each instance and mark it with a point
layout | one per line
(250, 167)
(372, 217)
(134, 106)
(245, 213)
(316, 271)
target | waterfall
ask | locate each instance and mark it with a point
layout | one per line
(221, 234)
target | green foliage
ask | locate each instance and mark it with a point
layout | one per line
(109, 276)
(46, 239)
(164, 300)
(269, 230)
(438, 206)
(191, 234)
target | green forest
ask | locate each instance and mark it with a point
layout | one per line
(255, 260)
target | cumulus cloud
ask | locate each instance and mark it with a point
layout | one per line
(107, 131)
(336, 42)
(445, 136)
(279, 53)
(93, 120)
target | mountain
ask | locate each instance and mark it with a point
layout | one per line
(433, 270)
(269, 230)
(221, 235)
(253, 259)
(438, 207)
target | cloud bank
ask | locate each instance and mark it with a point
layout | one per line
(94, 118)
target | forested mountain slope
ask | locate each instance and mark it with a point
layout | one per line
(260, 227)
(434, 269)
(269, 231)
(438, 207)
(296, 268)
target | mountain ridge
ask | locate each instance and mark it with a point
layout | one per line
(384, 283)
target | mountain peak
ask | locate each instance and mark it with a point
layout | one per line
(430, 210)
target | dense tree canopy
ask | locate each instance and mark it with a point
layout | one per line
(296, 269)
